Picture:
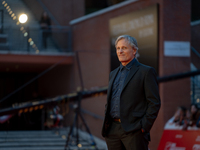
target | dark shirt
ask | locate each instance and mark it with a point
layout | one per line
(117, 89)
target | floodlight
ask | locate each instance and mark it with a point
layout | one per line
(23, 18)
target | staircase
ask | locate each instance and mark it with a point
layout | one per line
(44, 140)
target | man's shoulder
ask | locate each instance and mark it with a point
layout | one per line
(145, 67)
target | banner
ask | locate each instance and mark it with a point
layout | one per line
(180, 140)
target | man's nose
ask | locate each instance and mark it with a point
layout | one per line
(120, 50)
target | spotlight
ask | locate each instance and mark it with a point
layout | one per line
(37, 51)
(31, 43)
(13, 15)
(29, 40)
(23, 18)
(25, 34)
(22, 28)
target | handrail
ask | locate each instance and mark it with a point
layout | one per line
(8, 25)
(24, 107)
(195, 51)
(18, 41)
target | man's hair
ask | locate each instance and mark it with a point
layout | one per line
(131, 40)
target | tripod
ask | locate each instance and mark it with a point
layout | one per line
(75, 123)
(78, 113)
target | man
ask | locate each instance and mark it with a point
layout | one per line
(133, 100)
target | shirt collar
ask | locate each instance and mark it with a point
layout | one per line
(128, 66)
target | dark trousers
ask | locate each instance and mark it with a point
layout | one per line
(117, 139)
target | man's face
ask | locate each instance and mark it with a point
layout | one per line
(125, 52)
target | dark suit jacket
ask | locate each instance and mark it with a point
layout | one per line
(139, 102)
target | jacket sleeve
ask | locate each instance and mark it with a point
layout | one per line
(153, 99)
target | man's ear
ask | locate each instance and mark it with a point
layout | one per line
(134, 51)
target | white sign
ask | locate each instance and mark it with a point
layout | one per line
(177, 49)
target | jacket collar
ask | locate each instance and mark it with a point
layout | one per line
(132, 72)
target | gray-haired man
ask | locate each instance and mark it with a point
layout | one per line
(133, 100)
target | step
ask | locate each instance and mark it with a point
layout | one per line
(51, 148)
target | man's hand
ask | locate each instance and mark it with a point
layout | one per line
(142, 130)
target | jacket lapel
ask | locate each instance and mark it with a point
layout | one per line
(132, 72)
(111, 82)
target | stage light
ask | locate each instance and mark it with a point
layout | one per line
(36, 108)
(29, 40)
(25, 34)
(37, 51)
(63, 136)
(23, 18)
(26, 110)
(79, 145)
(7, 7)
(21, 111)
(31, 43)
(3, 2)
(13, 15)
(30, 109)
(22, 28)
(41, 106)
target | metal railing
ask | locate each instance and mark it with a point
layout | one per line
(195, 90)
(28, 39)
(195, 84)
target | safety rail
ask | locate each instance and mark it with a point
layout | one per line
(33, 39)
(195, 83)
